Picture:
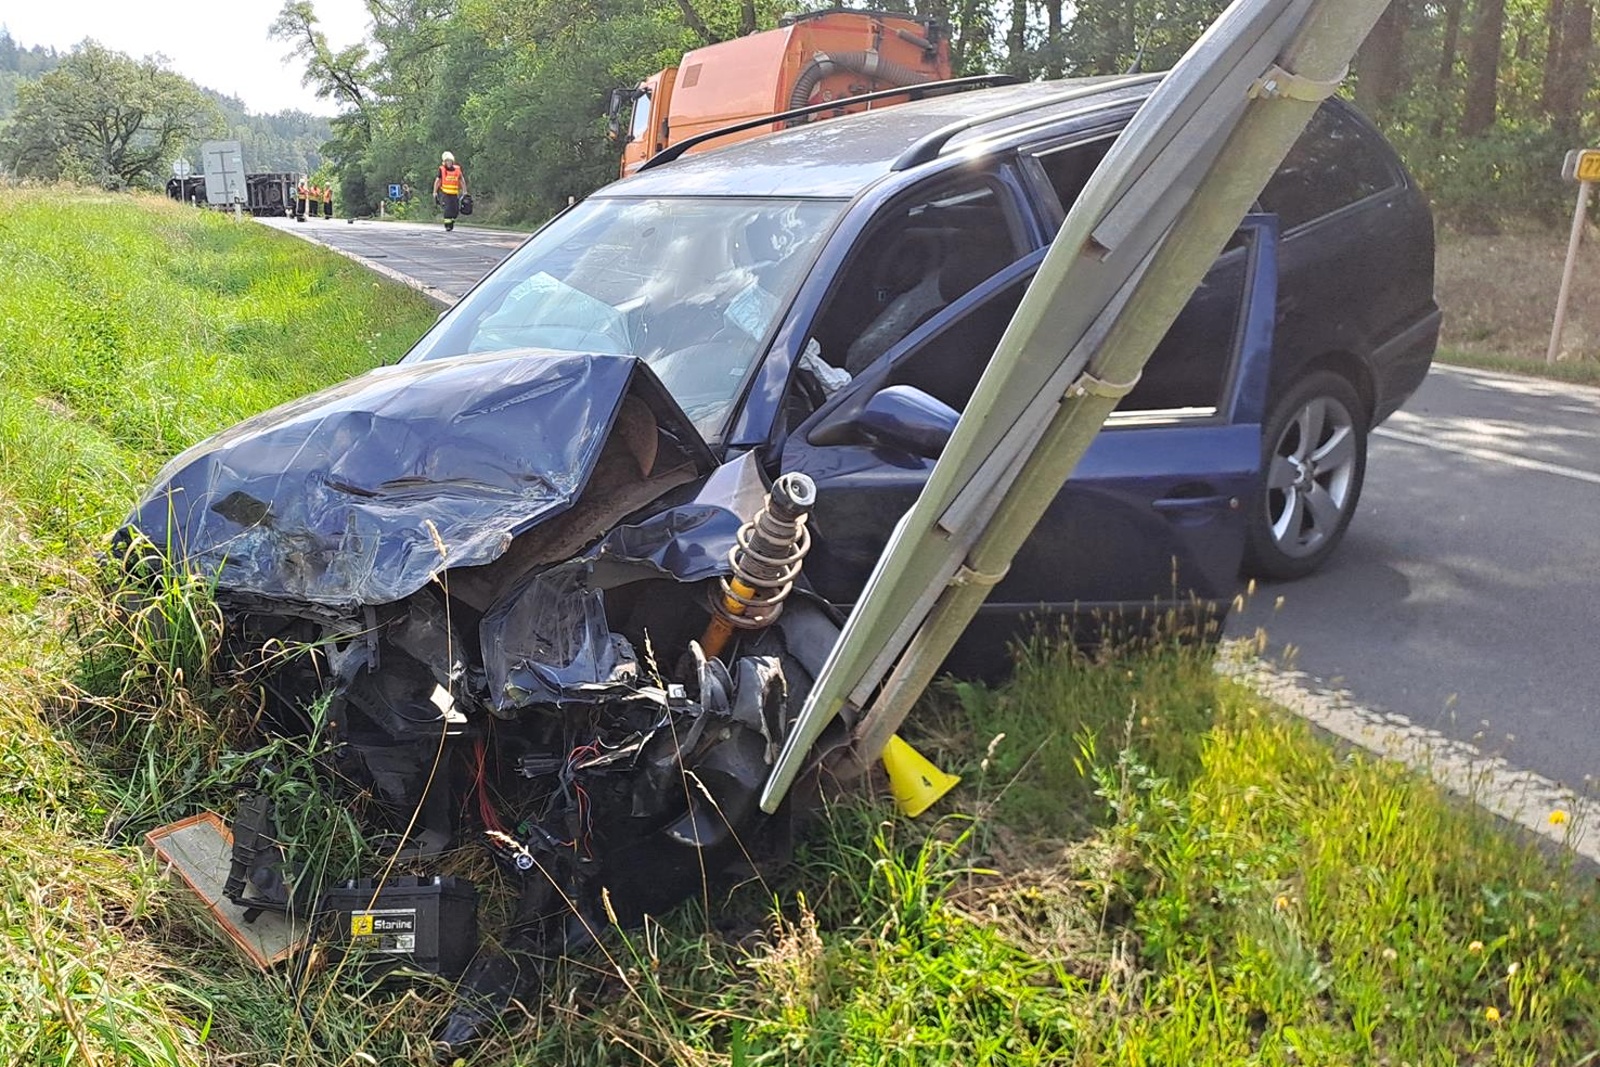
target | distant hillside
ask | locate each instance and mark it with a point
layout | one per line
(282, 141)
(18, 64)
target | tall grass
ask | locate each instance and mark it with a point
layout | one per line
(129, 329)
(1144, 864)
(127, 335)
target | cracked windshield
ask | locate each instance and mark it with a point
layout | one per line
(690, 286)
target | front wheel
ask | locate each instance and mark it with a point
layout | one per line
(1314, 460)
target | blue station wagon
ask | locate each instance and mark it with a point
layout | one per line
(598, 531)
(826, 298)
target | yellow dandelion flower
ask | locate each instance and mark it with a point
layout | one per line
(1492, 1013)
(1390, 954)
(1558, 817)
(1282, 903)
(1475, 948)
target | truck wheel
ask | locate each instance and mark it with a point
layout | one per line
(1314, 459)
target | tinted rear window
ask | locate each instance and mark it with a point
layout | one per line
(1335, 163)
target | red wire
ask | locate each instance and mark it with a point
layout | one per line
(486, 812)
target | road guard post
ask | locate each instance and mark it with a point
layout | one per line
(1582, 166)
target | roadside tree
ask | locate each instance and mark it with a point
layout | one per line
(105, 118)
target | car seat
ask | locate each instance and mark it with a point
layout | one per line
(905, 282)
(961, 265)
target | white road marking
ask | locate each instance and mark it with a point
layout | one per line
(439, 297)
(1516, 795)
(1508, 459)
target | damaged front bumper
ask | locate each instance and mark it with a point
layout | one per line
(491, 584)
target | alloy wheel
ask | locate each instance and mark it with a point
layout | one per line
(1312, 477)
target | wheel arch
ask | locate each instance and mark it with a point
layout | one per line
(1347, 365)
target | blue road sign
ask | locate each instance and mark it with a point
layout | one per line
(394, 190)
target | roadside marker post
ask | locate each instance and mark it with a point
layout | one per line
(1582, 166)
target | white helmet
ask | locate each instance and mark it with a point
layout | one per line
(448, 157)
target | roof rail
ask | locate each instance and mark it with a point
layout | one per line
(673, 151)
(929, 147)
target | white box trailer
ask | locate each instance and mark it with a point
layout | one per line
(223, 164)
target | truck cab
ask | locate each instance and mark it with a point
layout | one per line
(647, 107)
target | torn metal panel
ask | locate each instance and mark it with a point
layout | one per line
(548, 641)
(687, 541)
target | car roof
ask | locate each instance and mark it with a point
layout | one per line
(840, 157)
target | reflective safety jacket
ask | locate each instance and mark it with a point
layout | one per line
(449, 179)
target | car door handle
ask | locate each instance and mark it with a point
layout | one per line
(1182, 505)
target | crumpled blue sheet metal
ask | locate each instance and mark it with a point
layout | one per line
(361, 493)
(688, 541)
(547, 640)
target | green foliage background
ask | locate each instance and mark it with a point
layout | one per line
(516, 88)
(1483, 97)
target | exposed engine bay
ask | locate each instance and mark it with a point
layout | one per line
(527, 609)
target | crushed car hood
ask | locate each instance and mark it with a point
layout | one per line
(361, 493)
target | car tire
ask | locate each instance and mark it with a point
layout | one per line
(1314, 460)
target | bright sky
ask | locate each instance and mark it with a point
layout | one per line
(222, 44)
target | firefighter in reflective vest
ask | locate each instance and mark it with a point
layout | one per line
(448, 188)
(327, 201)
(301, 192)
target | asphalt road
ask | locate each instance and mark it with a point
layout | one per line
(1464, 597)
(443, 265)
(1465, 594)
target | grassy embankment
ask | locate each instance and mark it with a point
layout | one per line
(1145, 863)
(1499, 293)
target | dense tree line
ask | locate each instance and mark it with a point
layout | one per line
(1483, 96)
(105, 118)
(287, 141)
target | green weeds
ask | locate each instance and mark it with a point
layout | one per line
(1144, 864)
(1582, 372)
(1252, 895)
(129, 329)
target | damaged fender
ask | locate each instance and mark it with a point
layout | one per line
(363, 493)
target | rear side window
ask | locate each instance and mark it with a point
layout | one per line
(1069, 168)
(1334, 164)
(1189, 368)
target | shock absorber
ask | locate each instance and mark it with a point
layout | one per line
(765, 562)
